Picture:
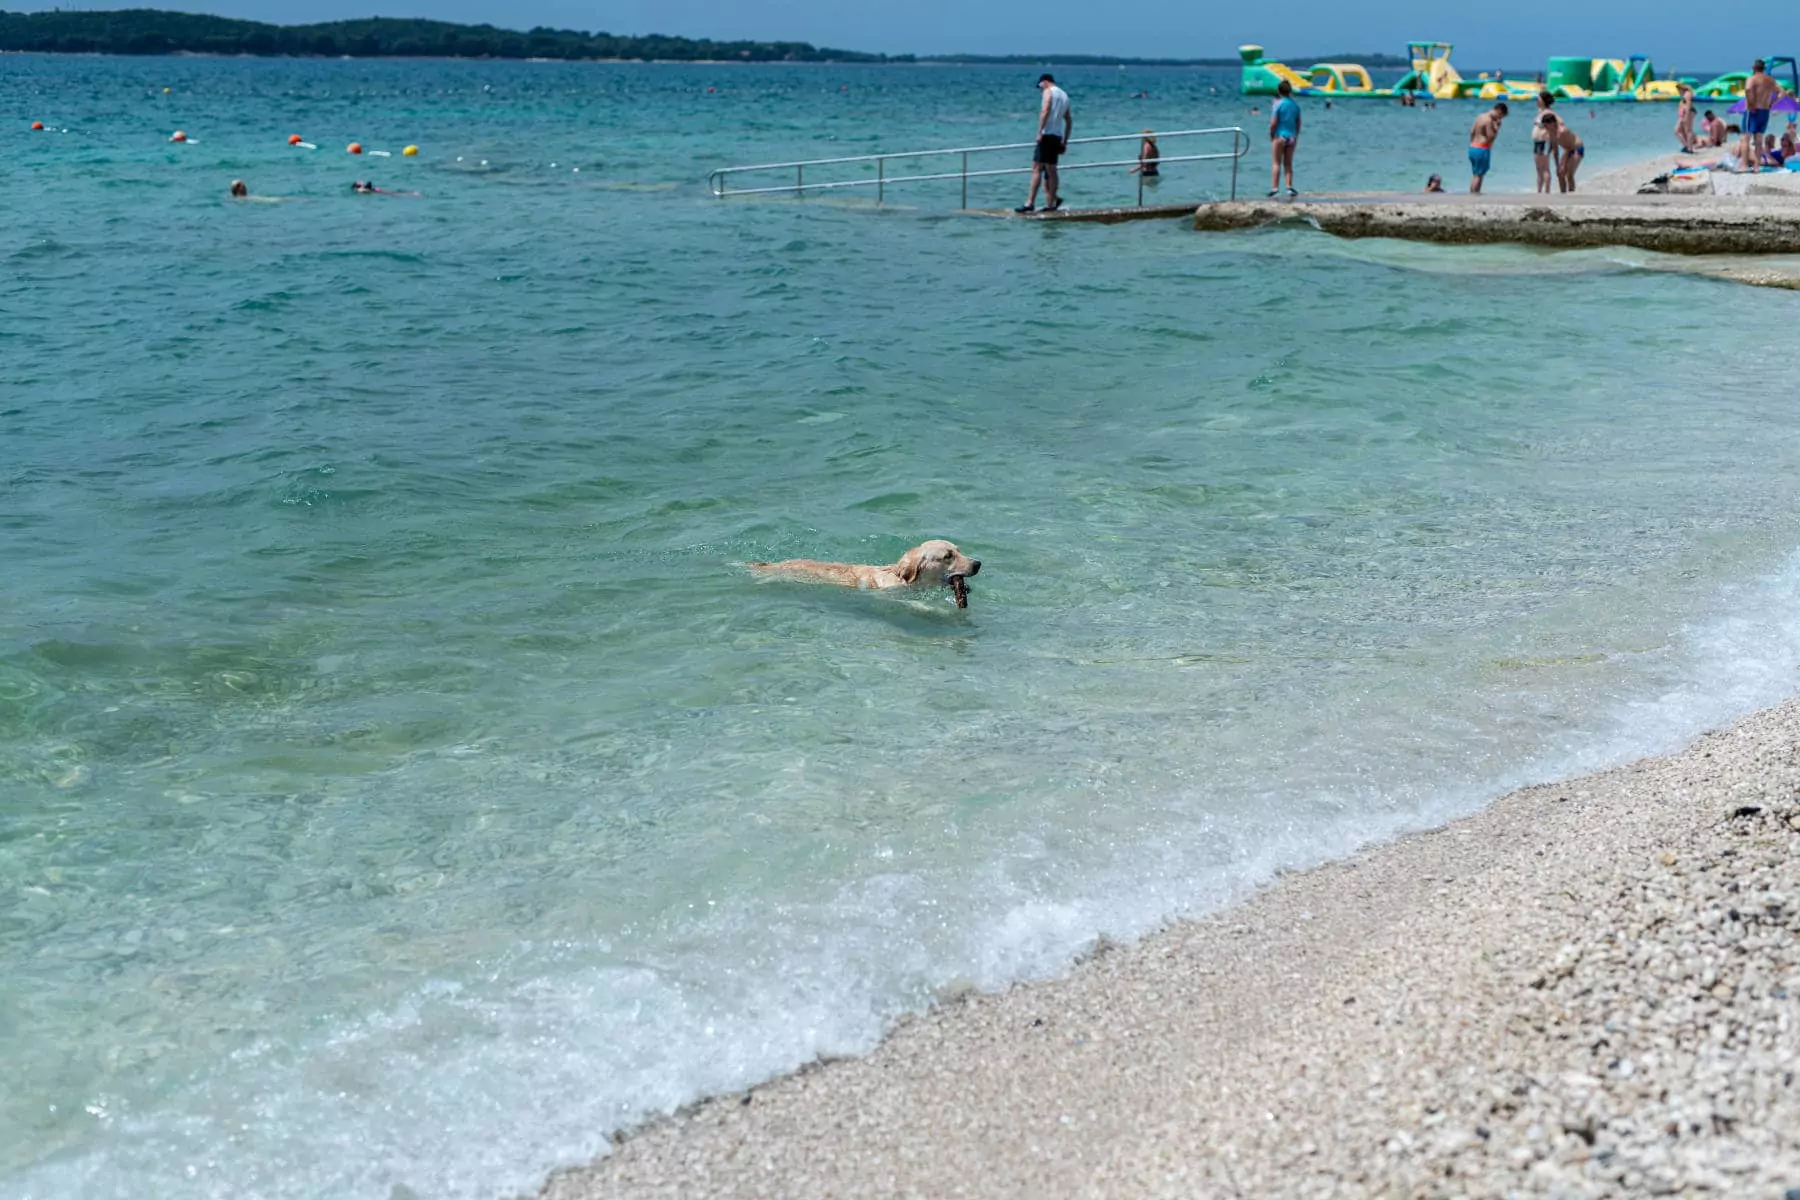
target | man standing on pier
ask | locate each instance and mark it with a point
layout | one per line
(1760, 91)
(1481, 144)
(1055, 125)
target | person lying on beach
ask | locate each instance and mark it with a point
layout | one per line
(1435, 184)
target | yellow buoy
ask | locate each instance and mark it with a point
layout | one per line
(410, 152)
(165, 91)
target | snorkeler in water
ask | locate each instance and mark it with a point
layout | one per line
(368, 185)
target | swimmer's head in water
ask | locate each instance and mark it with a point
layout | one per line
(238, 188)
(362, 185)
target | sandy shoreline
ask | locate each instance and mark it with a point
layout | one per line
(1587, 988)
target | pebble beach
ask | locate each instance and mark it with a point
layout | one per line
(1590, 988)
(409, 793)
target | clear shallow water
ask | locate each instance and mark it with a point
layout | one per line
(403, 785)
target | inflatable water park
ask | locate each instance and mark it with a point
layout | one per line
(1431, 75)
(1632, 79)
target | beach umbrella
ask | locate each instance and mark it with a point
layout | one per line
(1786, 104)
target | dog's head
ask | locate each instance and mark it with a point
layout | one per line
(936, 563)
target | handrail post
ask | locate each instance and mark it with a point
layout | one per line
(719, 180)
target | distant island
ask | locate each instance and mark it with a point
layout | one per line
(153, 31)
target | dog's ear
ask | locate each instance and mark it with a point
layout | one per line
(908, 566)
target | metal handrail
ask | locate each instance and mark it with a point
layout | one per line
(717, 180)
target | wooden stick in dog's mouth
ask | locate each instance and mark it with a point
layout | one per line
(959, 586)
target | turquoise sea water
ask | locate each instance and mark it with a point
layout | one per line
(401, 783)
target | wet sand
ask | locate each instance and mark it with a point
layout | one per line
(1590, 988)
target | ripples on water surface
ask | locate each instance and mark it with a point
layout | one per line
(403, 783)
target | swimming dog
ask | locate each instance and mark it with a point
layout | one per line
(936, 563)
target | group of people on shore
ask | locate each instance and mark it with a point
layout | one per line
(1756, 147)
(1557, 150)
(1556, 147)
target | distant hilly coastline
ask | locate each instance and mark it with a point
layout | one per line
(147, 31)
(152, 31)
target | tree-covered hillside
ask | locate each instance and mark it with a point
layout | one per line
(151, 31)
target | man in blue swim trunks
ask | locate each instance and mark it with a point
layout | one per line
(1760, 91)
(1481, 144)
(1284, 135)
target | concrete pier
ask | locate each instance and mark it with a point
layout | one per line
(1696, 224)
(1104, 216)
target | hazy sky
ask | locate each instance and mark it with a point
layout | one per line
(1520, 33)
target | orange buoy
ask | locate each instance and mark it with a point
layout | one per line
(38, 125)
(293, 139)
(354, 147)
(178, 136)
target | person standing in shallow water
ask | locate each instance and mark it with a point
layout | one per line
(1570, 150)
(1482, 136)
(1149, 157)
(1542, 153)
(1056, 124)
(1284, 136)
